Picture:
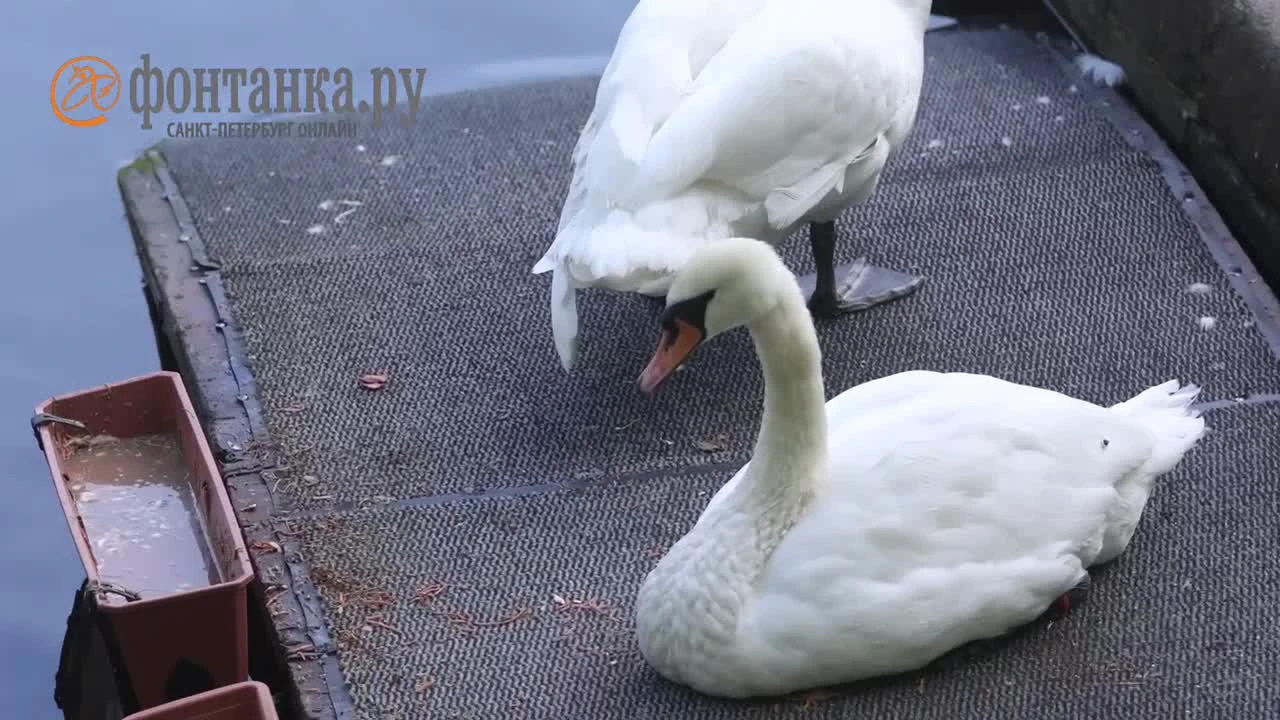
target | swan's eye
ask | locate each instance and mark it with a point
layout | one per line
(691, 311)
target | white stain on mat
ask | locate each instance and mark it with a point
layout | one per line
(935, 144)
(348, 207)
(351, 205)
(1043, 100)
(361, 148)
(1199, 288)
(1207, 322)
(1006, 141)
(389, 160)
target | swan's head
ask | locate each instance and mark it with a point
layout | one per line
(724, 285)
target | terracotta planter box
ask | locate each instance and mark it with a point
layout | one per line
(242, 701)
(155, 531)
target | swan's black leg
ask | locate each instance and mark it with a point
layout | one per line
(834, 291)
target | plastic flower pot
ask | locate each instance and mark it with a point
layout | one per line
(167, 569)
(242, 701)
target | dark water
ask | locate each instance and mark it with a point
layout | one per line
(71, 306)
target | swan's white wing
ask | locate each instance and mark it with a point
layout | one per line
(862, 400)
(951, 517)
(788, 99)
(859, 403)
(969, 505)
(797, 95)
(662, 46)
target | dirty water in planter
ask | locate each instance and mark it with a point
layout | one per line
(140, 513)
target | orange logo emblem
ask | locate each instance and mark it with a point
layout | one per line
(84, 90)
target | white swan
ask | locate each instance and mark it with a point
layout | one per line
(910, 515)
(720, 118)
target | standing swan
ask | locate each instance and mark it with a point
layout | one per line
(720, 118)
(910, 515)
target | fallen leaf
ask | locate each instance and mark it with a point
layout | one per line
(714, 444)
(374, 381)
(266, 546)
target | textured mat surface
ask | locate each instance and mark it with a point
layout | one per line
(1055, 255)
(1181, 626)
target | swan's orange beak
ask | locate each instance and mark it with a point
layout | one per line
(674, 347)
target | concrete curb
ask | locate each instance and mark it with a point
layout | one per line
(1207, 74)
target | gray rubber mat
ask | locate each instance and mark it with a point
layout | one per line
(1182, 626)
(532, 502)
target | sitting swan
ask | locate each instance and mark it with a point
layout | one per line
(720, 118)
(910, 515)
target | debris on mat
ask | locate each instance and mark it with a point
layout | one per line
(374, 380)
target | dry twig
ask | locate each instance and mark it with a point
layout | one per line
(465, 622)
(810, 699)
(378, 621)
(430, 592)
(592, 606)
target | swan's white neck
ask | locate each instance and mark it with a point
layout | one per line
(693, 601)
(790, 454)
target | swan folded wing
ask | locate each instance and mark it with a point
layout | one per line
(942, 525)
(780, 113)
(885, 392)
(638, 90)
(576, 194)
(845, 627)
(944, 480)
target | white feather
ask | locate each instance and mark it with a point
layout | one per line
(1099, 70)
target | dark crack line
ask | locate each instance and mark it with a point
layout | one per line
(549, 488)
(518, 491)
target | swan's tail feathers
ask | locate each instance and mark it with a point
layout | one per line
(547, 262)
(1099, 70)
(564, 316)
(1167, 413)
(615, 255)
